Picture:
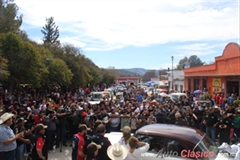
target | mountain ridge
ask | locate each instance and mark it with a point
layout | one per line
(133, 71)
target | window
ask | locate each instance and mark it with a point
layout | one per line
(189, 84)
(161, 147)
(204, 83)
(181, 88)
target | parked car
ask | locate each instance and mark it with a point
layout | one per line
(205, 103)
(175, 97)
(96, 97)
(171, 142)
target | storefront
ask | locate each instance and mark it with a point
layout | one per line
(128, 80)
(222, 76)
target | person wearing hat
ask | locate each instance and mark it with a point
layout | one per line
(21, 141)
(39, 149)
(135, 151)
(117, 152)
(225, 124)
(8, 139)
(92, 151)
(126, 131)
(78, 142)
(103, 141)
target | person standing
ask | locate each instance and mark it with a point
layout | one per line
(21, 142)
(78, 143)
(134, 153)
(8, 139)
(51, 122)
(211, 121)
(225, 125)
(103, 141)
(39, 150)
(126, 131)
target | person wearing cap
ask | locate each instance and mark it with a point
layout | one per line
(78, 143)
(21, 141)
(39, 149)
(126, 131)
(8, 139)
(117, 152)
(103, 141)
(92, 151)
(225, 124)
(136, 149)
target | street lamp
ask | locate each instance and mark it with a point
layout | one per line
(172, 72)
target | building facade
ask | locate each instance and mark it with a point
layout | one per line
(127, 80)
(222, 76)
(177, 77)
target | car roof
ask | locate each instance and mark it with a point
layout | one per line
(185, 135)
(178, 94)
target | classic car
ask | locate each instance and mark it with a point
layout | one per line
(171, 142)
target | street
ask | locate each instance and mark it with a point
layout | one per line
(57, 155)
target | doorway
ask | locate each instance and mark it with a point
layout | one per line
(233, 87)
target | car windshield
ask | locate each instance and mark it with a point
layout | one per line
(97, 96)
(208, 147)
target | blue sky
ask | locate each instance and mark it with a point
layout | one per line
(137, 34)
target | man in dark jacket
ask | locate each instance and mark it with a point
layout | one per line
(103, 141)
(211, 121)
(39, 150)
(225, 125)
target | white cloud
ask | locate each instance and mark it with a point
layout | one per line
(199, 49)
(115, 24)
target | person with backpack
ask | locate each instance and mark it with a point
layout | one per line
(39, 149)
(78, 143)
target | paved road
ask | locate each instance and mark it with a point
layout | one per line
(57, 155)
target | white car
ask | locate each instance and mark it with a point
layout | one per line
(171, 142)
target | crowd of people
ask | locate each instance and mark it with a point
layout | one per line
(36, 123)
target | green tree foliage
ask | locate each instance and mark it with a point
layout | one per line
(9, 21)
(25, 65)
(3, 68)
(50, 32)
(193, 61)
(108, 79)
(26, 62)
(59, 72)
(55, 70)
(147, 76)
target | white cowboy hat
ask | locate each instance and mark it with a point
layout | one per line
(5, 117)
(117, 152)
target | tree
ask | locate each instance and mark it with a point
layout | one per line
(4, 73)
(9, 21)
(192, 61)
(147, 76)
(50, 32)
(25, 64)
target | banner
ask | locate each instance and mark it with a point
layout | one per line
(216, 82)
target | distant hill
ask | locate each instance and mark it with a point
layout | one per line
(133, 71)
